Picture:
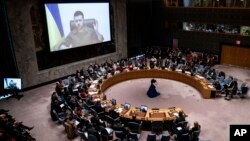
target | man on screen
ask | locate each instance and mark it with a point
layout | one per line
(12, 85)
(81, 34)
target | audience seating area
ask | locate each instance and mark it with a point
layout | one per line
(13, 130)
(76, 101)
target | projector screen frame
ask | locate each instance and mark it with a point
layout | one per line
(47, 59)
(65, 2)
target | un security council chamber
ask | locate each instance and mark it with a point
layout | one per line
(125, 70)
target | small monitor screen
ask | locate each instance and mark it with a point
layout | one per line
(113, 101)
(12, 83)
(144, 108)
(127, 106)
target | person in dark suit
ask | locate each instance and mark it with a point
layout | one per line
(94, 132)
(152, 90)
(195, 128)
(180, 118)
(232, 88)
(181, 132)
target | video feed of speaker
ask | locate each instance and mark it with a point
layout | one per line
(12, 83)
(71, 31)
(73, 25)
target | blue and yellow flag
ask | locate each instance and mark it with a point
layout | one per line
(55, 28)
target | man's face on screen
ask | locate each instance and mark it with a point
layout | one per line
(78, 22)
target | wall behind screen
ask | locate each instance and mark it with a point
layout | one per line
(7, 64)
(29, 56)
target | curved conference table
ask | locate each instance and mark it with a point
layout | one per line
(155, 114)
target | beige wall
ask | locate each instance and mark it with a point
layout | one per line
(24, 45)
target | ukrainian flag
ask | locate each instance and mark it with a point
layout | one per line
(55, 28)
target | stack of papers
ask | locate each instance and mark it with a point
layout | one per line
(210, 86)
(76, 122)
(92, 86)
(176, 114)
(92, 93)
(118, 110)
(95, 82)
(201, 77)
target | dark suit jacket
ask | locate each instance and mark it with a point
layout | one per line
(94, 132)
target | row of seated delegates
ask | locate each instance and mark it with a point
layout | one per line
(186, 59)
(182, 131)
(11, 129)
(153, 51)
(228, 85)
(63, 110)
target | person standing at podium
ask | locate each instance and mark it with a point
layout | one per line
(152, 89)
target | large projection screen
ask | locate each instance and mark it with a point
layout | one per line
(68, 30)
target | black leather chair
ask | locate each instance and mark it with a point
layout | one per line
(157, 127)
(151, 137)
(82, 135)
(134, 127)
(242, 90)
(92, 138)
(99, 113)
(120, 135)
(184, 137)
(165, 138)
(88, 105)
(106, 132)
(111, 120)
(195, 135)
(61, 117)
(134, 136)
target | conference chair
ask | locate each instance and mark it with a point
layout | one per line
(182, 124)
(111, 120)
(99, 113)
(83, 135)
(165, 138)
(106, 132)
(242, 90)
(92, 138)
(157, 127)
(151, 137)
(134, 136)
(120, 135)
(88, 105)
(61, 117)
(184, 137)
(134, 127)
(195, 135)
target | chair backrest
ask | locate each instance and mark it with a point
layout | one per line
(134, 126)
(151, 137)
(60, 119)
(82, 135)
(196, 134)
(120, 135)
(134, 136)
(182, 123)
(109, 119)
(184, 137)
(244, 90)
(165, 138)
(92, 138)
